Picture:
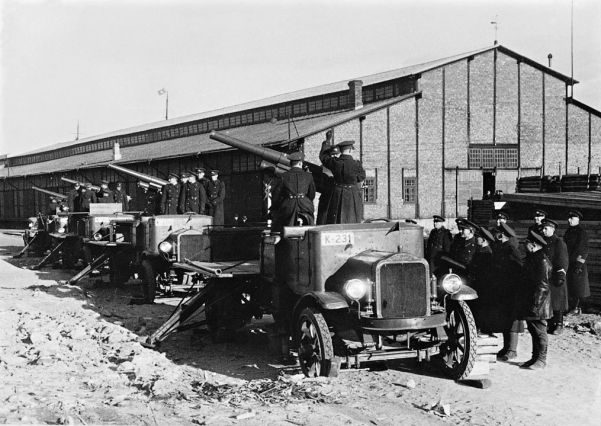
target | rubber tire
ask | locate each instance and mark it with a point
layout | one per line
(459, 316)
(149, 281)
(327, 365)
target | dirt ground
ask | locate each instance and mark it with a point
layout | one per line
(71, 355)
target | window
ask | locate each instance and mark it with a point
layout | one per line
(369, 190)
(493, 156)
(409, 189)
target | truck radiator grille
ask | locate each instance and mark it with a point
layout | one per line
(403, 290)
(192, 247)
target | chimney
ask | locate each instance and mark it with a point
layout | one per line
(549, 57)
(116, 152)
(356, 93)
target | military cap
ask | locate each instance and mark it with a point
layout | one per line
(459, 221)
(295, 156)
(88, 185)
(345, 143)
(549, 222)
(185, 175)
(469, 224)
(485, 233)
(575, 213)
(200, 170)
(535, 237)
(334, 150)
(540, 213)
(173, 175)
(104, 181)
(438, 218)
(503, 228)
(502, 215)
(214, 172)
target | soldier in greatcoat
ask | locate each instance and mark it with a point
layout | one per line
(576, 240)
(457, 241)
(150, 200)
(293, 196)
(346, 204)
(170, 196)
(119, 196)
(503, 217)
(183, 182)
(507, 274)
(534, 303)
(190, 199)
(438, 244)
(87, 197)
(480, 278)
(215, 195)
(557, 252)
(73, 199)
(202, 192)
(324, 184)
(105, 195)
(465, 252)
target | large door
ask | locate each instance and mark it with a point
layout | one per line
(488, 183)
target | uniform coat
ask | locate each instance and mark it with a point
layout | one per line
(576, 240)
(346, 204)
(73, 200)
(465, 252)
(557, 253)
(151, 200)
(215, 195)
(189, 200)
(480, 279)
(506, 282)
(120, 196)
(293, 195)
(105, 196)
(87, 197)
(439, 244)
(324, 184)
(534, 302)
(169, 199)
(202, 197)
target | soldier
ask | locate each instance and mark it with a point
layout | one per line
(576, 240)
(503, 217)
(190, 197)
(53, 206)
(346, 205)
(73, 198)
(534, 300)
(439, 244)
(105, 195)
(119, 196)
(215, 195)
(293, 196)
(170, 196)
(87, 197)
(557, 252)
(465, 252)
(458, 241)
(539, 216)
(202, 192)
(324, 184)
(151, 200)
(481, 277)
(183, 183)
(507, 273)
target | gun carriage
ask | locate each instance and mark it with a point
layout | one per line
(359, 292)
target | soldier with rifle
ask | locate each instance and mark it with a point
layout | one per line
(170, 196)
(215, 195)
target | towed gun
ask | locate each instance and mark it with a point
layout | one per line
(56, 195)
(271, 158)
(73, 181)
(145, 181)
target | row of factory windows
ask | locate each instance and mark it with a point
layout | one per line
(309, 106)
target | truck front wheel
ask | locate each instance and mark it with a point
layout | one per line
(315, 349)
(459, 351)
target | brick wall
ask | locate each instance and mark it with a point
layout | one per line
(506, 100)
(578, 140)
(375, 154)
(531, 135)
(555, 125)
(595, 144)
(481, 98)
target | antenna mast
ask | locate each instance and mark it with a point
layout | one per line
(496, 24)
(572, 50)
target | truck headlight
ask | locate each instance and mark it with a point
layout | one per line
(97, 236)
(165, 247)
(355, 289)
(451, 283)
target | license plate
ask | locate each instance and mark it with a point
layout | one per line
(337, 238)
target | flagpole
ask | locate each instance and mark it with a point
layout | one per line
(167, 106)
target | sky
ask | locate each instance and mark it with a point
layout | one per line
(102, 62)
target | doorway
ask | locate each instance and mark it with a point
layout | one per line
(488, 184)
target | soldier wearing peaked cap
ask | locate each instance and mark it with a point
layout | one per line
(503, 217)
(119, 196)
(481, 277)
(190, 195)
(215, 189)
(105, 195)
(557, 252)
(87, 197)
(170, 196)
(346, 204)
(539, 216)
(576, 239)
(438, 244)
(324, 184)
(457, 241)
(465, 252)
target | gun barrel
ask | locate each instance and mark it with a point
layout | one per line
(51, 193)
(268, 154)
(278, 168)
(148, 185)
(154, 181)
(73, 181)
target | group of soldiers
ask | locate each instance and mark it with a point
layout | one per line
(341, 199)
(81, 196)
(192, 193)
(537, 283)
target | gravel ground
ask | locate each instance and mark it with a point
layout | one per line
(72, 355)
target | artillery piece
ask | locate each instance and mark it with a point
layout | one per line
(350, 294)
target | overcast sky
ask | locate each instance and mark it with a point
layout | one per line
(102, 62)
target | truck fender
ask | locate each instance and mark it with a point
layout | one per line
(326, 300)
(466, 293)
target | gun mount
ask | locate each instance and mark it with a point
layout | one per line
(144, 179)
(56, 195)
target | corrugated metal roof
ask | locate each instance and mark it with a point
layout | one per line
(258, 134)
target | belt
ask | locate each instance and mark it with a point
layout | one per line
(340, 185)
(297, 196)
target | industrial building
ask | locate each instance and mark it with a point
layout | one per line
(430, 136)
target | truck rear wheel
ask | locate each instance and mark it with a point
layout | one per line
(315, 349)
(148, 276)
(459, 351)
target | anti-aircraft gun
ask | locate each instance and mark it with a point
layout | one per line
(357, 293)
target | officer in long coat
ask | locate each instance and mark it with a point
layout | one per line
(105, 195)
(150, 199)
(119, 196)
(535, 300)
(293, 196)
(87, 197)
(324, 184)
(480, 279)
(465, 252)
(457, 241)
(170, 196)
(202, 192)
(190, 199)
(557, 252)
(576, 240)
(438, 244)
(215, 195)
(73, 199)
(508, 279)
(346, 205)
